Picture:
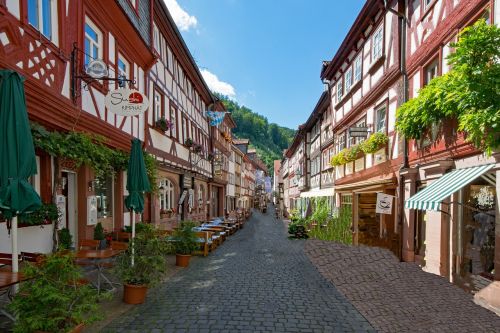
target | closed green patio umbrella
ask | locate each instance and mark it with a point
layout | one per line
(137, 184)
(17, 153)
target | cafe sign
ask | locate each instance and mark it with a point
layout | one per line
(126, 102)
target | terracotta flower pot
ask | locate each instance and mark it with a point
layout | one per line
(182, 260)
(133, 294)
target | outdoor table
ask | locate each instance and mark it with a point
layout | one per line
(7, 281)
(98, 258)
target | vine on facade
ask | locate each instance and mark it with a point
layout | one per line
(469, 92)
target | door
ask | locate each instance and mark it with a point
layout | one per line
(69, 192)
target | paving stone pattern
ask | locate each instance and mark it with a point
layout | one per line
(395, 296)
(257, 281)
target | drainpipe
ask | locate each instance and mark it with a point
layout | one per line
(403, 21)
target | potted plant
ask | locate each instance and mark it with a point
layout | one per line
(65, 239)
(54, 300)
(99, 235)
(163, 124)
(197, 148)
(189, 142)
(185, 242)
(46, 214)
(376, 141)
(149, 264)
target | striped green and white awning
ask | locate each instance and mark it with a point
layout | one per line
(430, 197)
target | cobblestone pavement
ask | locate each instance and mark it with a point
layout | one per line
(398, 297)
(257, 281)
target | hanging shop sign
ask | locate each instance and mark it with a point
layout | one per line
(384, 203)
(187, 181)
(126, 102)
(183, 196)
(96, 69)
(358, 132)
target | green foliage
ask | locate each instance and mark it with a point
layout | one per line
(297, 228)
(352, 153)
(185, 239)
(469, 92)
(374, 142)
(340, 158)
(268, 139)
(149, 258)
(65, 239)
(98, 232)
(89, 149)
(337, 228)
(45, 214)
(321, 210)
(54, 299)
(152, 171)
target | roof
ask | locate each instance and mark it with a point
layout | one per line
(319, 109)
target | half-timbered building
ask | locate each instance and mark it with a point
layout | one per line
(364, 83)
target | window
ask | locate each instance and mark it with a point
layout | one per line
(348, 80)
(166, 194)
(341, 142)
(427, 3)
(40, 16)
(156, 39)
(380, 120)
(340, 91)
(158, 105)
(357, 68)
(173, 120)
(123, 67)
(104, 194)
(377, 43)
(93, 42)
(346, 201)
(431, 71)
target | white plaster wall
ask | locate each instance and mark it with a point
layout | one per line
(30, 239)
(13, 8)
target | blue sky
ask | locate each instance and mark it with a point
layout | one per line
(266, 54)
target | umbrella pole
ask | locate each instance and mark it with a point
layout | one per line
(133, 235)
(15, 262)
(13, 233)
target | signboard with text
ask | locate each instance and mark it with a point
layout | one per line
(126, 102)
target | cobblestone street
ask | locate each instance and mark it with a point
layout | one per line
(257, 281)
(395, 296)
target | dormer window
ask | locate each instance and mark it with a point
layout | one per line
(377, 41)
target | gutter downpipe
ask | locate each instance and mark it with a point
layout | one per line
(403, 21)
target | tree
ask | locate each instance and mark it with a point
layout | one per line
(469, 92)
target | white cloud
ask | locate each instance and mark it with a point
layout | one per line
(183, 20)
(217, 85)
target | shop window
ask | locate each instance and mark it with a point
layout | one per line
(166, 194)
(40, 15)
(104, 194)
(421, 219)
(93, 42)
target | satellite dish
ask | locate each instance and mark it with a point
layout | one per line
(97, 69)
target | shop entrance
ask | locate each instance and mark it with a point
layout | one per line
(375, 229)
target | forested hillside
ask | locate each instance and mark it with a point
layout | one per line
(269, 139)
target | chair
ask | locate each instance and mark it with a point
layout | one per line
(123, 236)
(32, 257)
(88, 244)
(116, 245)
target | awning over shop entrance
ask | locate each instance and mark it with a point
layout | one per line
(430, 197)
(326, 192)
